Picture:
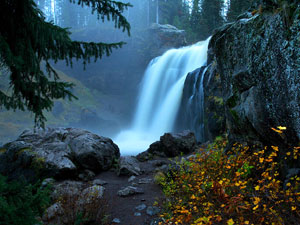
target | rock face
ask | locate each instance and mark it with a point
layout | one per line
(164, 37)
(171, 145)
(57, 152)
(258, 60)
(252, 81)
(201, 107)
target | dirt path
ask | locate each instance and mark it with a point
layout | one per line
(124, 208)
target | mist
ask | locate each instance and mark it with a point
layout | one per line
(108, 89)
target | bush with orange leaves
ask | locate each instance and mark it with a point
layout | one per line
(241, 186)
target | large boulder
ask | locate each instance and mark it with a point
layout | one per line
(129, 165)
(71, 198)
(57, 152)
(162, 37)
(171, 145)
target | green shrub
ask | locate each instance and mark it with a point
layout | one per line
(20, 203)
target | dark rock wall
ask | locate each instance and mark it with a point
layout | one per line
(253, 81)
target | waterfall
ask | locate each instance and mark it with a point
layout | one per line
(160, 97)
(157, 12)
(195, 106)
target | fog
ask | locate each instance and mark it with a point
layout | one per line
(108, 88)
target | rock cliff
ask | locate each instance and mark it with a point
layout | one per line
(252, 82)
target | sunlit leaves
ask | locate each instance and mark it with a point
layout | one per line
(240, 187)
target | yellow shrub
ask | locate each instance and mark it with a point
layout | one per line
(240, 187)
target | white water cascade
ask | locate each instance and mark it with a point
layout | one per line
(160, 96)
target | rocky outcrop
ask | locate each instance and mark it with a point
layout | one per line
(162, 37)
(57, 152)
(202, 108)
(252, 80)
(258, 62)
(171, 145)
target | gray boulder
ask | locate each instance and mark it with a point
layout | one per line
(57, 152)
(128, 166)
(162, 37)
(130, 190)
(171, 145)
(70, 198)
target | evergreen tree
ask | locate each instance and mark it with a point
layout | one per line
(236, 7)
(211, 16)
(27, 42)
(174, 12)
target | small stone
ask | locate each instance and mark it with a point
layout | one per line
(141, 207)
(145, 181)
(132, 178)
(130, 190)
(152, 210)
(137, 214)
(46, 182)
(99, 182)
(134, 184)
(116, 220)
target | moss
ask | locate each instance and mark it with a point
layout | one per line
(24, 150)
(232, 101)
(218, 100)
(235, 116)
(38, 163)
(3, 150)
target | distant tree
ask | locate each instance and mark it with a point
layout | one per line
(236, 7)
(27, 42)
(174, 12)
(211, 15)
(206, 16)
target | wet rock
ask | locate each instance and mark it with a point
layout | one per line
(145, 181)
(99, 182)
(141, 207)
(116, 220)
(57, 152)
(132, 178)
(130, 190)
(171, 145)
(129, 165)
(152, 210)
(137, 214)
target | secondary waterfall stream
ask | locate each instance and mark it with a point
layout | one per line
(160, 96)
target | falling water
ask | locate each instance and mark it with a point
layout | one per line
(195, 107)
(160, 97)
(157, 12)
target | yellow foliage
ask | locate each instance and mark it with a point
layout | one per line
(237, 187)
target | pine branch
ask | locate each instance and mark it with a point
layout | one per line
(27, 40)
